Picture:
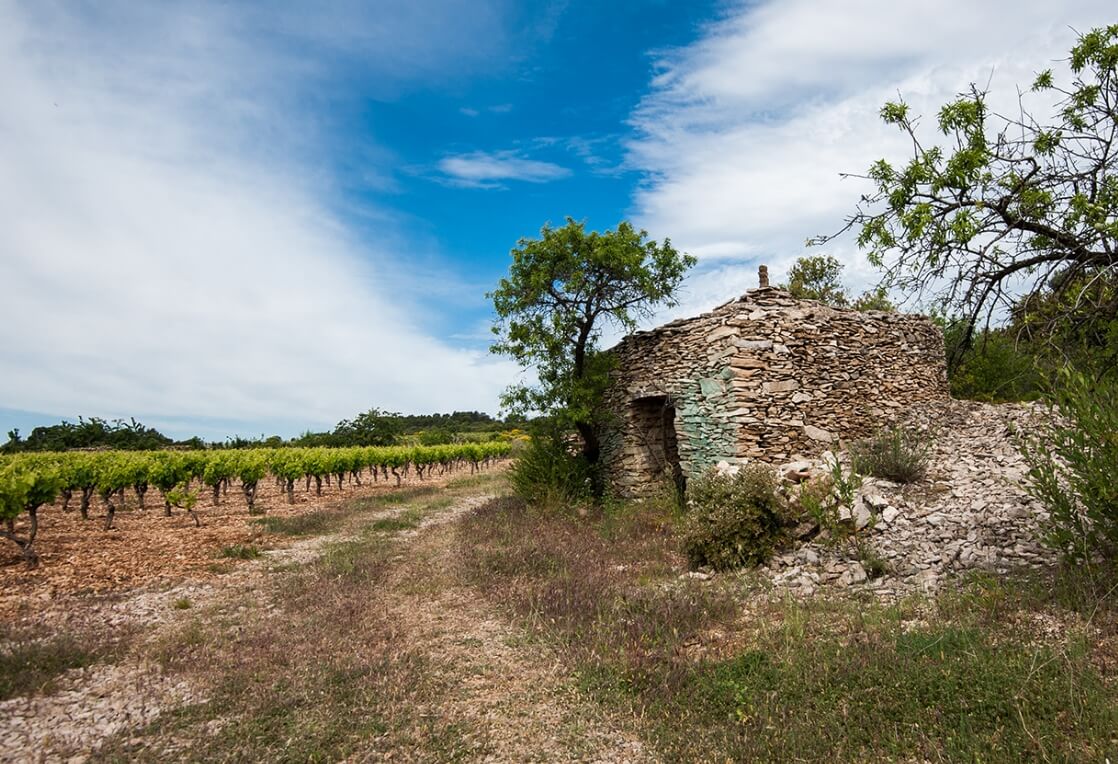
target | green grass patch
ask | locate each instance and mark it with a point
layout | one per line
(27, 667)
(315, 523)
(470, 483)
(241, 552)
(401, 496)
(940, 693)
(401, 522)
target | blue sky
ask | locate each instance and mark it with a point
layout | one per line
(252, 218)
(534, 134)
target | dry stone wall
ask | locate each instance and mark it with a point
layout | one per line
(764, 377)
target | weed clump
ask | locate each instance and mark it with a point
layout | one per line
(27, 666)
(1072, 467)
(241, 552)
(733, 520)
(896, 454)
(309, 524)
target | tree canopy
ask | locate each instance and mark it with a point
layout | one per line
(562, 290)
(819, 277)
(93, 432)
(999, 211)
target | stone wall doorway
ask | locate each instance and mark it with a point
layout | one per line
(654, 424)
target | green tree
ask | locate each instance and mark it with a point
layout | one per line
(562, 289)
(372, 428)
(996, 205)
(1071, 324)
(819, 277)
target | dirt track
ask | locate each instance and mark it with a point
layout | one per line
(512, 696)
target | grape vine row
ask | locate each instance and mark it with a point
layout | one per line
(30, 481)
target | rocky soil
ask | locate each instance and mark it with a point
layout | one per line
(971, 512)
(90, 705)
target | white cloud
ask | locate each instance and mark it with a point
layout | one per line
(482, 169)
(166, 250)
(745, 132)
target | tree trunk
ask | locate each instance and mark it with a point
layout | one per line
(290, 490)
(317, 485)
(30, 557)
(249, 490)
(217, 493)
(110, 509)
(66, 494)
(87, 494)
(591, 452)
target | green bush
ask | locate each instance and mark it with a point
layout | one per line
(995, 368)
(894, 454)
(733, 520)
(1072, 466)
(549, 469)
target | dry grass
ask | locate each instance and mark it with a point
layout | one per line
(313, 667)
(978, 674)
(325, 675)
(29, 666)
(594, 584)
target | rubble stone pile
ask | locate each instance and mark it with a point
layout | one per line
(971, 512)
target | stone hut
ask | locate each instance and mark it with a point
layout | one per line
(765, 376)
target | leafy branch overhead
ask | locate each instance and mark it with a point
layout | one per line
(997, 206)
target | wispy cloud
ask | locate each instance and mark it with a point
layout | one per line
(501, 108)
(744, 134)
(481, 169)
(170, 248)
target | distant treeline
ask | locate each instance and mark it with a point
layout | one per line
(372, 428)
(89, 433)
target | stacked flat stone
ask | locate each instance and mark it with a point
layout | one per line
(766, 377)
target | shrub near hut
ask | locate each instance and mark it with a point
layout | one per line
(733, 520)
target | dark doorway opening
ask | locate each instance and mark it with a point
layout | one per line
(654, 420)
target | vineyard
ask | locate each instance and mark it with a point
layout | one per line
(72, 480)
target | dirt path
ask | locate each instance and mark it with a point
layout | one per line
(513, 693)
(512, 697)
